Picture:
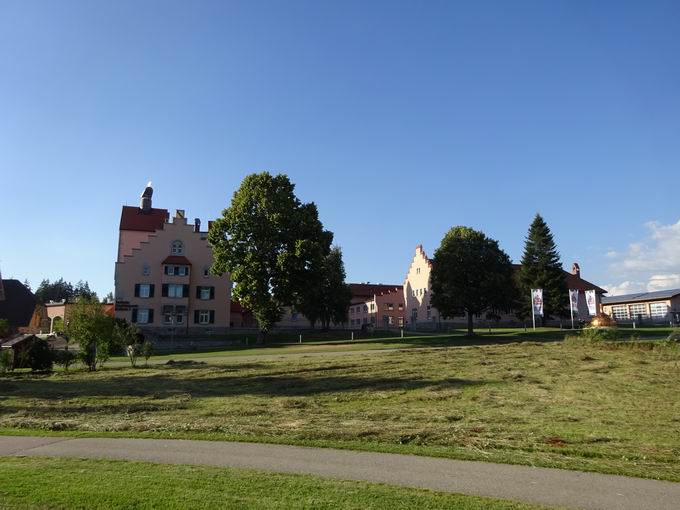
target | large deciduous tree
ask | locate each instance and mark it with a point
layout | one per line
(327, 297)
(542, 269)
(271, 243)
(471, 274)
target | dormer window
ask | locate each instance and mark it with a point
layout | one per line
(177, 248)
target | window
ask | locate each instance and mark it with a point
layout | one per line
(659, 310)
(417, 270)
(429, 313)
(401, 306)
(142, 316)
(351, 310)
(175, 290)
(638, 310)
(205, 293)
(173, 314)
(144, 290)
(177, 248)
(177, 270)
(146, 269)
(204, 317)
(206, 272)
(372, 307)
(390, 306)
(620, 312)
(365, 320)
(365, 308)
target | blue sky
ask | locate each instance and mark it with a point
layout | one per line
(399, 119)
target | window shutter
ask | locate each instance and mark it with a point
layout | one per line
(150, 316)
(212, 316)
(195, 316)
(212, 292)
(185, 290)
(164, 290)
(136, 290)
(151, 289)
(134, 315)
(198, 292)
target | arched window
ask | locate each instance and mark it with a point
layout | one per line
(177, 248)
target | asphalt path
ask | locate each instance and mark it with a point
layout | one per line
(553, 487)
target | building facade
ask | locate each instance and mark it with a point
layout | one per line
(652, 307)
(376, 305)
(162, 275)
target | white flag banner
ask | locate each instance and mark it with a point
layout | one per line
(573, 299)
(537, 301)
(592, 303)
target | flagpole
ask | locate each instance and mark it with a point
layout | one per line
(571, 309)
(533, 314)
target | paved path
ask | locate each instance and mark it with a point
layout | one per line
(521, 483)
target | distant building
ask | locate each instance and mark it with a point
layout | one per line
(162, 276)
(62, 310)
(421, 314)
(377, 305)
(661, 306)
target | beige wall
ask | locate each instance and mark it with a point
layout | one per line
(417, 289)
(151, 252)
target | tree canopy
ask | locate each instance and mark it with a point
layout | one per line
(542, 269)
(90, 327)
(327, 297)
(271, 243)
(471, 274)
(61, 290)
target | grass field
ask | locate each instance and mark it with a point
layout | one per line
(319, 342)
(549, 404)
(88, 484)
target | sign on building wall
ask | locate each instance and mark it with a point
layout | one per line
(592, 303)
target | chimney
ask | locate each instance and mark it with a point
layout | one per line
(145, 202)
(197, 224)
(575, 269)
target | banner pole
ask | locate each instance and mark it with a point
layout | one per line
(571, 308)
(533, 312)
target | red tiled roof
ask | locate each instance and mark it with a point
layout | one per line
(132, 218)
(574, 282)
(176, 259)
(371, 289)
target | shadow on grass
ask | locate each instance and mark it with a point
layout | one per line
(166, 386)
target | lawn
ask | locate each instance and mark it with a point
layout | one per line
(319, 342)
(614, 410)
(89, 484)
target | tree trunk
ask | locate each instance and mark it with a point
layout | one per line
(470, 325)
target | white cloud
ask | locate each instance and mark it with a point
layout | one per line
(651, 264)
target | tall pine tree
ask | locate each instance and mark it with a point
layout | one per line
(542, 269)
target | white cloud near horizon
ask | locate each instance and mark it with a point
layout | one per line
(648, 265)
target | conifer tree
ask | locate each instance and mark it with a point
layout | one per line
(542, 269)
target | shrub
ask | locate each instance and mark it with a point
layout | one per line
(6, 360)
(670, 347)
(40, 356)
(65, 358)
(147, 351)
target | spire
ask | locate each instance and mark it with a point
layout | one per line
(145, 202)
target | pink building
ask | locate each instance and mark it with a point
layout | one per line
(377, 305)
(162, 276)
